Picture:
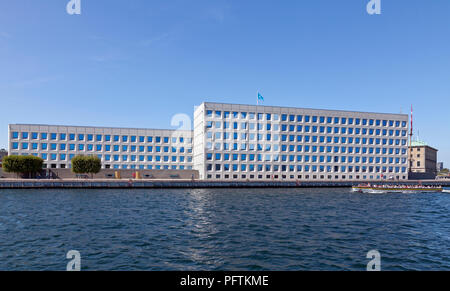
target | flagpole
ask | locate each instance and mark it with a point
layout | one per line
(410, 143)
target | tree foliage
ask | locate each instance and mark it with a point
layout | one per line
(444, 172)
(22, 164)
(86, 165)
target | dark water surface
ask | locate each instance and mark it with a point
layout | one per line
(223, 229)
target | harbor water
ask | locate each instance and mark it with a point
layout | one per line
(223, 229)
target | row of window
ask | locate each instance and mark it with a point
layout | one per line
(140, 167)
(303, 138)
(301, 148)
(209, 146)
(301, 177)
(304, 158)
(119, 158)
(304, 128)
(98, 137)
(217, 146)
(303, 168)
(305, 118)
(98, 147)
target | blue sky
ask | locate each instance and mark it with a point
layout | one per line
(137, 63)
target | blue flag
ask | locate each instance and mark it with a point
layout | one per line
(260, 97)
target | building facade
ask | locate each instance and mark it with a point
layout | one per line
(3, 153)
(423, 160)
(244, 142)
(440, 166)
(238, 142)
(118, 148)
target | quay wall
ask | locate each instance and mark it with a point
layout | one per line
(111, 174)
(143, 184)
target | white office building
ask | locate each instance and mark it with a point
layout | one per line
(118, 148)
(243, 142)
(238, 142)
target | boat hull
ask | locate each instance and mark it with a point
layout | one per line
(380, 190)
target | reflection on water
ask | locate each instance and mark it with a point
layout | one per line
(223, 229)
(200, 223)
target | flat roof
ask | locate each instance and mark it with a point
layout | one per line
(317, 109)
(419, 143)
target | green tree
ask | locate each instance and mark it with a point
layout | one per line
(444, 172)
(26, 165)
(86, 165)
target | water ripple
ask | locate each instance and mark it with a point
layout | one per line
(222, 229)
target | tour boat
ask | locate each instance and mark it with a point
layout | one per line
(378, 189)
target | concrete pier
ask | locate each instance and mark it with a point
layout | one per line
(143, 184)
